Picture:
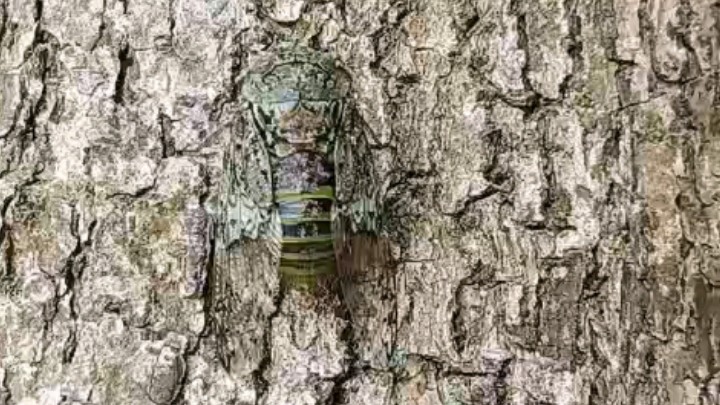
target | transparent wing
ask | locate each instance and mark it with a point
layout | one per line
(363, 249)
(366, 267)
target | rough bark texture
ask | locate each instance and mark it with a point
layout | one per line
(554, 172)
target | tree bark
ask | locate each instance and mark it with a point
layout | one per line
(553, 171)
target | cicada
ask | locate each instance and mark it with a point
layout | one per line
(282, 188)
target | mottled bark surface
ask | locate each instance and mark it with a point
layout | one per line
(553, 172)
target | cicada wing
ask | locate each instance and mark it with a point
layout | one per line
(246, 246)
(363, 251)
(237, 302)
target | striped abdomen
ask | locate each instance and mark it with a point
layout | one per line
(305, 196)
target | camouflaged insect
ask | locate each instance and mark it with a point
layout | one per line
(280, 178)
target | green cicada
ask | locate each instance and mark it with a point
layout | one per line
(282, 187)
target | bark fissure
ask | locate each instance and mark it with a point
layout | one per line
(574, 46)
(692, 69)
(126, 61)
(167, 143)
(534, 101)
(101, 28)
(72, 272)
(136, 195)
(5, 393)
(39, 5)
(262, 384)
(171, 19)
(9, 279)
(457, 325)
(190, 351)
(353, 368)
(3, 20)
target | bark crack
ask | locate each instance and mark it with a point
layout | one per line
(458, 331)
(9, 253)
(8, 277)
(532, 104)
(338, 394)
(686, 14)
(3, 20)
(38, 10)
(191, 350)
(171, 13)
(5, 393)
(574, 47)
(101, 29)
(490, 191)
(166, 141)
(647, 37)
(139, 193)
(481, 275)
(72, 271)
(126, 61)
(262, 385)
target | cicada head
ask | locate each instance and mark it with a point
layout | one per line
(297, 101)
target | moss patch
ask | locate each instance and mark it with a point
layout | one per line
(655, 128)
(598, 171)
(598, 91)
(156, 235)
(562, 208)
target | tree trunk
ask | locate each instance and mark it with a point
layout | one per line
(554, 169)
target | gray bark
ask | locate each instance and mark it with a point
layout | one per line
(554, 170)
